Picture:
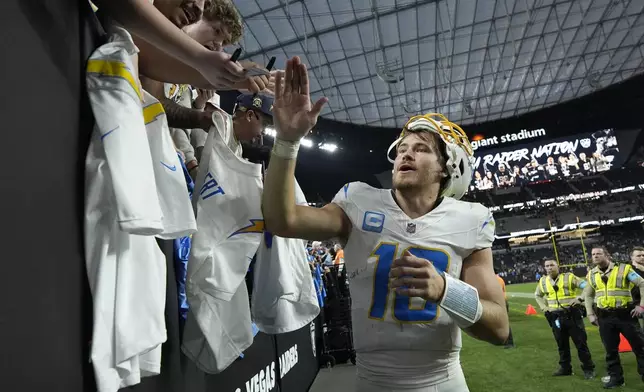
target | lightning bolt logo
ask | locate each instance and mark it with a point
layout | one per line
(256, 226)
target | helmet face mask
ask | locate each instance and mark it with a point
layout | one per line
(459, 152)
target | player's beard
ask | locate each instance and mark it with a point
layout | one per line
(414, 181)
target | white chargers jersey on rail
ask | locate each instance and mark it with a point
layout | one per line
(126, 268)
(178, 215)
(284, 297)
(402, 342)
(230, 227)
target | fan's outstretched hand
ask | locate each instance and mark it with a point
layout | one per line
(293, 113)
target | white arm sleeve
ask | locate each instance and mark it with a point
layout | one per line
(487, 226)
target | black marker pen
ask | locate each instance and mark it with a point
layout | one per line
(236, 54)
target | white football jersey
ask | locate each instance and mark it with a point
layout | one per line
(401, 341)
(178, 216)
(230, 226)
(126, 205)
(284, 298)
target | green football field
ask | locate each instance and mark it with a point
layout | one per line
(529, 366)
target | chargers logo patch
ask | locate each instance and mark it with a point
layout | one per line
(255, 226)
(373, 221)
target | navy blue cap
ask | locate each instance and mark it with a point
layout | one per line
(260, 102)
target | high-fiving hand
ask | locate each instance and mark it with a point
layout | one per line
(416, 277)
(293, 114)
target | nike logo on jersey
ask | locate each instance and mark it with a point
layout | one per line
(373, 221)
(210, 187)
(108, 132)
(173, 167)
(489, 221)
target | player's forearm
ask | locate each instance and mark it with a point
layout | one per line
(493, 326)
(278, 198)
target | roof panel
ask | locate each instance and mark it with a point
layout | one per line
(342, 11)
(407, 20)
(268, 4)
(426, 19)
(473, 60)
(262, 31)
(349, 95)
(484, 10)
(283, 29)
(332, 46)
(388, 26)
(247, 7)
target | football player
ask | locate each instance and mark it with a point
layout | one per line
(421, 260)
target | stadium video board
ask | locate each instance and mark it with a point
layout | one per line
(546, 160)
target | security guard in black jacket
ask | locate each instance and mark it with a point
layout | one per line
(557, 297)
(609, 288)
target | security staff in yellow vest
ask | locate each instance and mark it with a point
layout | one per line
(609, 288)
(556, 296)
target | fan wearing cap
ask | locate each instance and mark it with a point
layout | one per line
(421, 259)
(251, 115)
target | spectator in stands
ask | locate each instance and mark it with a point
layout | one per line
(502, 177)
(166, 53)
(534, 171)
(573, 165)
(586, 166)
(488, 181)
(563, 166)
(518, 178)
(339, 254)
(478, 180)
(602, 163)
(552, 169)
(251, 115)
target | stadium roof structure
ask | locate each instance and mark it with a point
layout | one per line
(380, 61)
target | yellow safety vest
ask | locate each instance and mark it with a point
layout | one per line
(616, 292)
(564, 296)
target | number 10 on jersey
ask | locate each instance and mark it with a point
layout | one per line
(386, 253)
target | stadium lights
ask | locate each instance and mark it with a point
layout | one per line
(330, 147)
(306, 143)
(268, 131)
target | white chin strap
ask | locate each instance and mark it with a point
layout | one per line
(391, 147)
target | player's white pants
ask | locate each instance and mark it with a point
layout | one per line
(455, 383)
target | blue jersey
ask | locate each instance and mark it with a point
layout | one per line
(182, 254)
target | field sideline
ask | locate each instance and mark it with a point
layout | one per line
(528, 367)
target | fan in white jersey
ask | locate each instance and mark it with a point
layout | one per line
(421, 260)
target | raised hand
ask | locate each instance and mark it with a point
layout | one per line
(293, 114)
(416, 277)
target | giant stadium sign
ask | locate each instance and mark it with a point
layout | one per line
(481, 141)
